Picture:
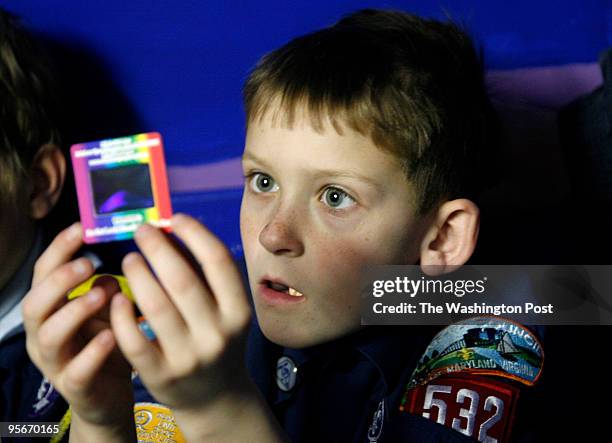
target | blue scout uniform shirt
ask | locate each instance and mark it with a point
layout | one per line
(25, 394)
(340, 385)
(350, 390)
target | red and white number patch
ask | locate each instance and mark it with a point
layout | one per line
(479, 407)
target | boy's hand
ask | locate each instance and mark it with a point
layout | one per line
(197, 365)
(71, 342)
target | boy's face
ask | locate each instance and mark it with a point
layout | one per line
(317, 208)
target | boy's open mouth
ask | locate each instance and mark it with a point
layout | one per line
(280, 287)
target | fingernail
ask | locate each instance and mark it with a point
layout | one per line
(80, 266)
(94, 296)
(119, 299)
(144, 230)
(106, 337)
(132, 257)
(177, 218)
(74, 231)
(96, 262)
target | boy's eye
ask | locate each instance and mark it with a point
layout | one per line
(260, 182)
(336, 198)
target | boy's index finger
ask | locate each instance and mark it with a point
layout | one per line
(179, 278)
(60, 251)
(217, 263)
(49, 294)
(199, 239)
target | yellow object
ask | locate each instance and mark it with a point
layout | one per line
(86, 286)
(156, 424)
(64, 424)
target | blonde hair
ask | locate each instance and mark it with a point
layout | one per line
(414, 86)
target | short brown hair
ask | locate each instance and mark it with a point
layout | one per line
(414, 86)
(28, 106)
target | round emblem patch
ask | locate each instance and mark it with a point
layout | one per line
(155, 424)
(286, 374)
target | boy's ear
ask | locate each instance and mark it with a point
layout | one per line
(450, 240)
(47, 172)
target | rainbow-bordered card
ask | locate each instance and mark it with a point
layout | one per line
(121, 183)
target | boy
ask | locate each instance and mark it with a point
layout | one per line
(32, 171)
(363, 146)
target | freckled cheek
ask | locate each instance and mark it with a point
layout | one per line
(339, 262)
(249, 227)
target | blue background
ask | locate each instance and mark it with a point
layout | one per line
(181, 64)
(177, 67)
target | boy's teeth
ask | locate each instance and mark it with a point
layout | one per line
(292, 292)
(282, 288)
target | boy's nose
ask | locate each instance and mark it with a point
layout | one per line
(280, 238)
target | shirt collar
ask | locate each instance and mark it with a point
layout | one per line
(391, 349)
(11, 321)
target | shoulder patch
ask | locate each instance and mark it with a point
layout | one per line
(482, 345)
(155, 424)
(478, 407)
(470, 375)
